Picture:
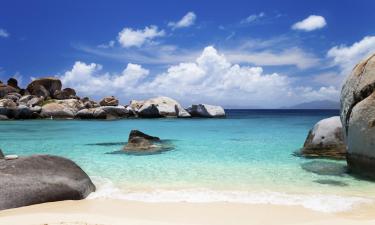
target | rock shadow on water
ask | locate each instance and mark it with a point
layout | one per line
(331, 182)
(325, 168)
(108, 144)
(158, 148)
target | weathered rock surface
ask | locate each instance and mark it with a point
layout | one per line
(109, 101)
(358, 117)
(325, 139)
(159, 107)
(204, 110)
(61, 108)
(51, 84)
(139, 141)
(66, 93)
(5, 89)
(41, 178)
(103, 112)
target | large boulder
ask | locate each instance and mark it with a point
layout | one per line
(66, 93)
(159, 107)
(204, 110)
(41, 178)
(109, 101)
(139, 141)
(325, 139)
(5, 89)
(358, 117)
(51, 84)
(63, 109)
(13, 83)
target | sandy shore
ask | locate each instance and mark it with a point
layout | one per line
(115, 212)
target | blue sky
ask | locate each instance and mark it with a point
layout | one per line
(235, 53)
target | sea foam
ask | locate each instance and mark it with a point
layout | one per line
(318, 202)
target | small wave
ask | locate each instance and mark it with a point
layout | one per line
(318, 202)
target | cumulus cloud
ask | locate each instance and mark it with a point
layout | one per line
(346, 57)
(186, 21)
(129, 37)
(4, 33)
(252, 18)
(210, 78)
(313, 22)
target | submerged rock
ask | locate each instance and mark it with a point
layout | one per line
(325, 140)
(139, 141)
(204, 110)
(41, 178)
(358, 117)
(325, 168)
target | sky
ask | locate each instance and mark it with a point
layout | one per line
(238, 53)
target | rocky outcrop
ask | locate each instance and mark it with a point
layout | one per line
(325, 139)
(103, 112)
(204, 110)
(358, 117)
(139, 141)
(49, 84)
(109, 101)
(5, 89)
(13, 83)
(159, 107)
(41, 178)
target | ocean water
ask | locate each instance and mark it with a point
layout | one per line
(247, 157)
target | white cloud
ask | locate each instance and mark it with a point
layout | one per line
(110, 44)
(294, 56)
(210, 78)
(185, 21)
(252, 18)
(4, 33)
(346, 57)
(312, 22)
(129, 37)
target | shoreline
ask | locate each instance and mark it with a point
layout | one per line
(113, 212)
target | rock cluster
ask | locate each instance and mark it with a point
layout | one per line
(41, 178)
(358, 117)
(45, 98)
(325, 139)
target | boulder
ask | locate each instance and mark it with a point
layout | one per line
(41, 91)
(24, 112)
(5, 89)
(13, 83)
(109, 101)
(66, 93)
(14, 96)
(35, 101)
(51, 84)
(159, 107)
(1, 154)
(25, 99)
(41, 178)
(358, 117)
(3, 117)
(63, 109)
(139, 141)
(325, 139)
(204, 110)
(8, 103)
(103, 112)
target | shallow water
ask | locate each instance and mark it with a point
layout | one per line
(247, 157)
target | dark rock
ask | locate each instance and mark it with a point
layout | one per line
(331, 182)
(139, 141)
(149, 111)
(1, 154)
(109, 101)
(51, 84)
(13, 83)
(325, 140)
(41, 178)
(66, 93)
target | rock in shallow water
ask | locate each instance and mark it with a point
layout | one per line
(325, 140)
(204, 110)
(41, 178)
(139, 141)
(358, 117)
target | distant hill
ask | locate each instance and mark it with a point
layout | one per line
(325, 104)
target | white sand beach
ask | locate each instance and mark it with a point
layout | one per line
(117, 212)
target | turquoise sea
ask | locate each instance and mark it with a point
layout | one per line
(247, 157)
